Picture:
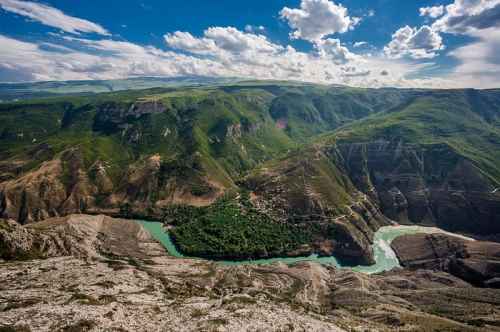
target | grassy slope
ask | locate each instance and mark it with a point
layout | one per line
(194, 129)
(314, 110)
(439, 118)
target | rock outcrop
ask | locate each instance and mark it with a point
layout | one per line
(477, 262)
(311, 188)
(58, 187)
(82, 236)
(431, 185)
(65, 185)
(136, 155)
(112, 116)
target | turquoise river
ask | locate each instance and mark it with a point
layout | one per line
(385, 257)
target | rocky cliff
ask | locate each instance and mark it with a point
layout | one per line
(477, 262)
(311, 187)
(431, 185)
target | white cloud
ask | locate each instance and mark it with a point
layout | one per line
(419, 43)
(465, 16)
(432, 12)
(30, 60)
(222, 42)
(220, 51)
(316, 19)
(83, 59)
(225, 52)
(360, 44)
(51, 17)
(235, 41)
(351, 71)
(479, 61)
(332, 49)
(187, 42)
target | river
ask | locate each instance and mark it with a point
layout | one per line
(385, 257)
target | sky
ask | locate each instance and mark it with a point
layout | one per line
(365, 43)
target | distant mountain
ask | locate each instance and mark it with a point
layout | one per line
(22, 91)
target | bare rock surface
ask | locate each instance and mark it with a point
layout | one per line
(96, 273)
(477, 262)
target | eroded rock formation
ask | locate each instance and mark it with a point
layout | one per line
(477, 262)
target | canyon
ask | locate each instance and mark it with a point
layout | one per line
(247, 171)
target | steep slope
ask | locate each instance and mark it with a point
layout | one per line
(306, 112)
(121, 150)
(134, 152)
(435, 161)
(309, 187)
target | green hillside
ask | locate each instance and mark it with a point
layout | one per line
(324, 165)
(466, 121)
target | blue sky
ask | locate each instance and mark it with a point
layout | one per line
(432, 43)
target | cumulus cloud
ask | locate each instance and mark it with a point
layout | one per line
(185, 41)
(219, 51)
(78, 58)
(465, 16)
(316, 19)
(333, 50)
(432, 12)
(479, 61)
(222, 42)
(51, 17)
(416, 43)
(235, 41)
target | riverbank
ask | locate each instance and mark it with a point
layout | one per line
(385, 257)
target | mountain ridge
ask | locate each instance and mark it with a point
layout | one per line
(306, 154)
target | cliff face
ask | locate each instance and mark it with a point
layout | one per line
(65, 185)
(312, 188)
(346, 191)
(57, 187)
(477, 262)
(430, 185)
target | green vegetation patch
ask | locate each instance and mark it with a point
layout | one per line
(232, 229)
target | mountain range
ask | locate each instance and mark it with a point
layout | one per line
(259, 169)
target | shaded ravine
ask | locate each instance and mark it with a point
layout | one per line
(385, 257)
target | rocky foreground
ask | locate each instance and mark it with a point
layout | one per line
(95, 273)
